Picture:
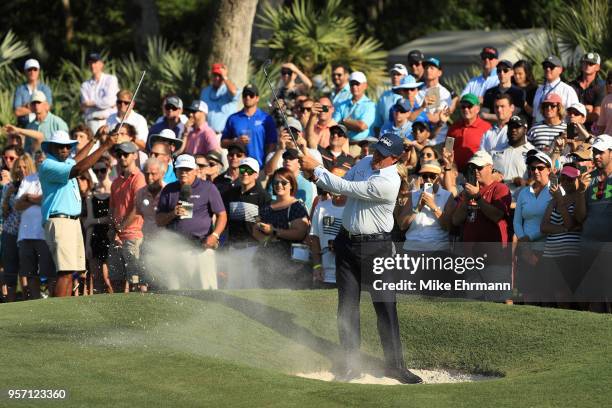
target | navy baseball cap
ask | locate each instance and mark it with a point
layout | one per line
(390, 144)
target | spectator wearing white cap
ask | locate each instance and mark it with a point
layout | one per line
(194, 224)
(163, 145)
(43, 125)
(98, 93)
(488, 79)
(61, 204)
(553, 68)
(590, 89)
(358, 113)
(388, 98)
(172, 108)
(133, 118)
(198, 137)
(23, 93)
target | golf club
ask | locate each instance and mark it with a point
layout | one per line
(282, 111)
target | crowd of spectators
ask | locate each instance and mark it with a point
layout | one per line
(512, 159)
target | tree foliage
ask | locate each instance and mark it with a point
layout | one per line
(314, 38)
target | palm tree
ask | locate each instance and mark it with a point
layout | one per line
(314, 39)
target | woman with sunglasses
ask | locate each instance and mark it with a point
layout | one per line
(561, 257)
(96, 224)
(542, 135)
(531, 205)
(282, 223)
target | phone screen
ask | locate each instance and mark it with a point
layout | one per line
(449, 143)
(434, 93)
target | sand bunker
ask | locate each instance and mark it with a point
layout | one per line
(428, 376)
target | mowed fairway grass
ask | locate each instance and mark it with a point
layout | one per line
(239, 349)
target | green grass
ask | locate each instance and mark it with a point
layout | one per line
(238, 349)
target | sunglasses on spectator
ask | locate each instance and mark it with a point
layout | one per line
(548, 105)
(248, 95)
(354, 83)
(589, 63)
(505, 70)
(466, 106)
(475, 167)
(286, 72)
(9, 158)
(32, 69)
(303, 109)
(428, 176)
(204, 165)
(427, 154)
(122, 154)
(171, 107)
(35, 103)
(573, 112)
(238, 155)
(548, 66)
(120, 102)
(488, 57)
(246, 170)
(538, 168)
(415, 64)
(100, 170)
(277, 183)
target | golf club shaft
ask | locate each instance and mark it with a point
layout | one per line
(129, 109)
(282, 111)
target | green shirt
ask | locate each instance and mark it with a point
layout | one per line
(47, 127)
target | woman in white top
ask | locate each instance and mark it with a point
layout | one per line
(427, 212)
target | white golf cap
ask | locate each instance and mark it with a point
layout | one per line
(167, 136)
(481, 158)
(580, 108)
(31, 63)
(399, 68)
(185, 161)
(250, 162)
(358, 76)
(58, 137)
(198, 106)
(602, 143)
(38, 96)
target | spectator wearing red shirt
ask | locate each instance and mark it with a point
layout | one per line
(199, 138)
(126, 223)
(469, 131)
(483, 208)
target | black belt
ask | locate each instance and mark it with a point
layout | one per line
(381, 236)
(71, 217)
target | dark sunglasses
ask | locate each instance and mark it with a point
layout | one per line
(427, 154)
(303, 109)
(336, 74)
(505, 70)
(428, 176)
(122, 154)
(548, 66)
(400, 110)
(238, 155)
(120, 102)
(171, 107)
(280, 182)
(204, 165)
(538, 168)
(415, 64)
(248, 95)
(155, 154)
(487, 56)
(354, 83)
(549, 105)
(35, 103)
(101, 170)
(286, 72)
(466, 106)
(246, 170)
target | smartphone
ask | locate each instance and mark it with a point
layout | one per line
(449, 144)
(324, 108)
(470, 177)
(433, 93)
(554, 180)
(572, 130)
(428, 188)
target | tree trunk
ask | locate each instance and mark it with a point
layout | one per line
(148, 24)
(68, 22)
(230, 42)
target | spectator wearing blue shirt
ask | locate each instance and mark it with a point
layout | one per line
(221, 96)
(173, 109)
(23, 93)
(488, 79)
(400, 124)
(251, 127)
(163, 145)
(389, 97)
(408, 90)
(61, 203)
(340, 79)
(357, 113)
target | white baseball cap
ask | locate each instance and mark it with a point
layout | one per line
(250, 162)
(481, 158)
(38, 96)
(602, 143)
(31, 63)
(185, 161)
(198, 105)
(579, 108)
(359, 77)
(399, 68)
(166, 136)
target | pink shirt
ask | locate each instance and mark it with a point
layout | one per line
(604, 124)
(202, 140)
(123, 201)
